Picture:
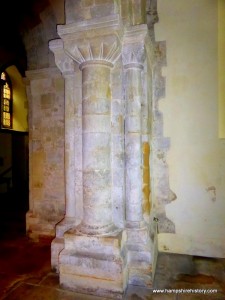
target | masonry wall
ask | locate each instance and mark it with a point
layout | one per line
(45, 95)
(37, 37)
(46, 151)
(194, 156)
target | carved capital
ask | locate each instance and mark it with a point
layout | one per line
(133, 56)
(93, 41)
(63, 61)
(133, 53)
(94, 52)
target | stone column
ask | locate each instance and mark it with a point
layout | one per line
(96, 135)
(133, 143)
(66, 66)
(96, 121)
(94, 258)
(137, 230)
(133, 60)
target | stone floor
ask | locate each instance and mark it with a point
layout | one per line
(25, 271)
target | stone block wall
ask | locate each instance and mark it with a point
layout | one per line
(46, 151)
(81, 10)
(36, 41)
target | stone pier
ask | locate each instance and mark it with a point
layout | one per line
(72, 149)
(138, 242)
(103, 242)
(93, 259)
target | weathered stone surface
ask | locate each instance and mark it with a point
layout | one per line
(46, 152)
(109, 132)
(94, 264)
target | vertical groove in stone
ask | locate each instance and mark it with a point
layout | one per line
(146, 178)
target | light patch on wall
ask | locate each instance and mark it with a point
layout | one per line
(146, 178)
(221, 66)
(20, 105)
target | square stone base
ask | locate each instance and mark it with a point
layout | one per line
(139, 256)
(94, 264)
(57, 246)
(58, 243)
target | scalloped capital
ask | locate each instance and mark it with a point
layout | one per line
(133, 52)
(91, 41)
(102, 50)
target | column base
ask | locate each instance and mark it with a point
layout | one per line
(87, 230)
(139, 255)
(58, 243)
(94, 265)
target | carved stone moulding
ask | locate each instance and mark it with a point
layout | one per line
(94, 41)
(63, 61)
(133, 52)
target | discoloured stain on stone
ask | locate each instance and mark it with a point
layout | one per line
(161, 156)
(146, 178)
(198, 278)
(172, 196)
(137, 11)
(165, 225)
(165, 248)
(212, 192)
(109, 93)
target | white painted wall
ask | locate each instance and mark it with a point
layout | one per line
(196, 158)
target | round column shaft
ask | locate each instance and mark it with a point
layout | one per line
(133, 146)
(69, 149)
(96, 128)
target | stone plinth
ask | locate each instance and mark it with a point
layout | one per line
(139, 256)
(94, 264)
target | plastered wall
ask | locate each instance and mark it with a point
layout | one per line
(195, 156)
(221, 67)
